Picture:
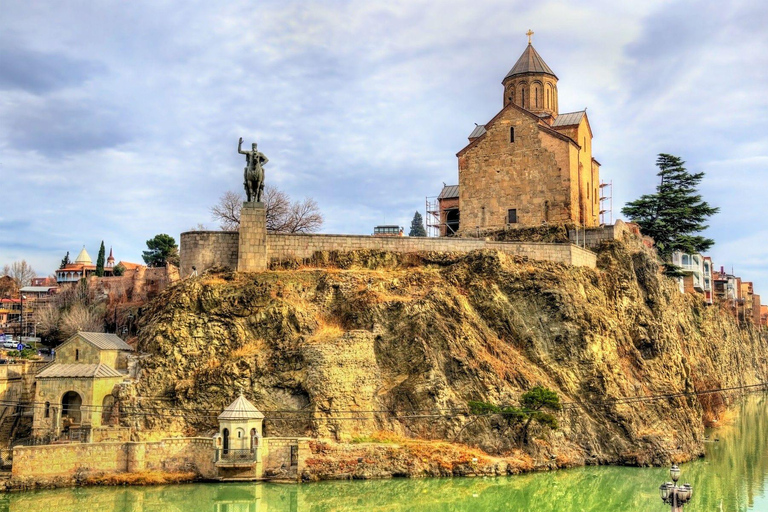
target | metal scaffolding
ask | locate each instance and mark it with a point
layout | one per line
(606, 202)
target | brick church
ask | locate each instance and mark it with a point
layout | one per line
(529, 165)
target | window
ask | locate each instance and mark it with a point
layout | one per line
(512, 216)
(47, 409)
(77, 354)
(511, 134)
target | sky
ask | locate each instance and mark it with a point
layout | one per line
(120, 120)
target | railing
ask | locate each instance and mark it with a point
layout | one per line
(237, 456)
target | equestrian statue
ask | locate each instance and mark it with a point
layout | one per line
(254, 172)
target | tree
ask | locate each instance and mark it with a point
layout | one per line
(534, 405)
(100, 261)
(282, 215)
(674, 214)
(417, 226)
(21, 272)
(162, 251)
(80, 318)
(65, 261)
(227, 211)
(119, 270)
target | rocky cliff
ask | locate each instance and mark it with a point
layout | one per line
(375, 342)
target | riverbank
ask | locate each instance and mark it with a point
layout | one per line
(733, 476)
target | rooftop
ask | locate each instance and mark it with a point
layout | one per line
(569, 119)
(449, 192)
(530, 62)
(103, 340)
(241, 409)
(70, 370)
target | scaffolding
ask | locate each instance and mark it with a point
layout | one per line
(606, 203)
(433, 216)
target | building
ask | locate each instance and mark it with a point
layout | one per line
(692, 265)
(708, 277)
(528, 165)
(73, 394)
(84, 267)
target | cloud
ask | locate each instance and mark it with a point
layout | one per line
(121, 120)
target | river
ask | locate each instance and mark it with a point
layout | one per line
(732, 477)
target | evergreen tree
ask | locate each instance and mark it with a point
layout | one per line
(674, 214)
(162, 251)
(417, 226)
(65, 261)
(100, 261)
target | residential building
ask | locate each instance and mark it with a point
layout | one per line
(692, 265)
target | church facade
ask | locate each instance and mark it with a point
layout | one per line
(529, 165)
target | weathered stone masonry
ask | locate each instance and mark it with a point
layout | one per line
(204, 249)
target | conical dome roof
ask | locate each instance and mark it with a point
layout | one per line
(530, 62)
(83, 258)
(241, 409)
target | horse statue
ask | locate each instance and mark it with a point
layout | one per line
(253, 179)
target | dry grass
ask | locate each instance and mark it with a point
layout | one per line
(327, 330)
(141, 478)
(213, 281)
(249, 349)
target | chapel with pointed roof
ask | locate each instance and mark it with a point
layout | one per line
(529, 165)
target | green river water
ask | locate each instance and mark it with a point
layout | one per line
(732, 477)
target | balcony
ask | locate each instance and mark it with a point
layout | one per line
(240, 458)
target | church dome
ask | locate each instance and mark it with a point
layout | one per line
(83, 258)
(530, 62)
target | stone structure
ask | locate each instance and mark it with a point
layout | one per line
(238, 444)
(529, 164)
(252, 244)
(74, 393)
(206, 249)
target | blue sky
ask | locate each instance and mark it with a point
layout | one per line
(120, 120)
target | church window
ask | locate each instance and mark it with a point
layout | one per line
(47, 409)
(522, 98)
(512, 216)
(511, 134)
(77, 354)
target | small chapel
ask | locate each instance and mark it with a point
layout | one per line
(529, 165)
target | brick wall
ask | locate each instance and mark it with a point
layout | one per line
(205, 249)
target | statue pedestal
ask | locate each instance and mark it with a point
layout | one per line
(252, 250)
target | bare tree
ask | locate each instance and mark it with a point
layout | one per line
(305, 217)
(21, 272)
(227, 211)
(47, 319)
(283, 216)
(80, 318)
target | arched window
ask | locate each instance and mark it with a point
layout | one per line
(511, 134)
(47, 409)
(77, 354)
(225, 435)
(522, 94)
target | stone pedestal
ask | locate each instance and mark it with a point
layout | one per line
(252, 253)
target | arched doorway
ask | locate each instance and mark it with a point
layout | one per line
(107, 410)
(225, 435)
(70, 409)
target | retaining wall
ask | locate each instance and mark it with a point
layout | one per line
(34, 463)
(205, 249)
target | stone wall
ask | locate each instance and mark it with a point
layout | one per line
(287, 247)
(206, 249)
(297, 247)
(277, 457)
(67, 461)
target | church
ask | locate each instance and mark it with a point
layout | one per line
(529, 165)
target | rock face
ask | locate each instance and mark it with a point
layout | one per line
(400, 343)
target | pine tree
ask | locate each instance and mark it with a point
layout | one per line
(65, 261)
(100, 261)
(417, 226)
(674, 214)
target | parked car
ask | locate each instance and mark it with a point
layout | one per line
(45, 351)
(10, 344)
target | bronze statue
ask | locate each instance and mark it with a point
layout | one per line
(254, 172)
